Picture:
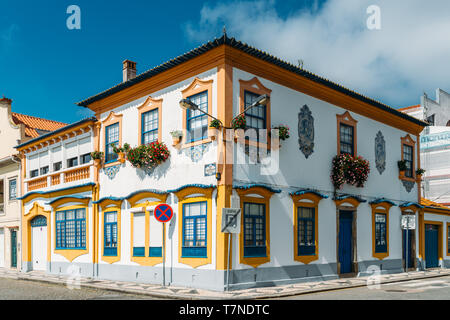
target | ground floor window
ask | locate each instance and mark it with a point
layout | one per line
(71, 229)
(110, 234)
(306, 231)
(380, 233)
(254, 229)
(194, 229)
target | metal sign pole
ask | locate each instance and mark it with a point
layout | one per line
(407, 244)
(230, 235)
(164, 254)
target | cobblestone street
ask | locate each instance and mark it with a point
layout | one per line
(12, 289)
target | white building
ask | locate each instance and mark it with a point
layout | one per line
(294, 226)
(14, 128)
(434, 145)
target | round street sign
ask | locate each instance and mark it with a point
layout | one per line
(163, 212)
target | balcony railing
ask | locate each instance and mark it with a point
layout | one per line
(37, 184)
(53, 179)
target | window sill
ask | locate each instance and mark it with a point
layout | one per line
(195, 143)
(381, 255)
(407, 179)
(306, 259)
(111, 164)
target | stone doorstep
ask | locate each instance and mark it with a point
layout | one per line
(233, 295)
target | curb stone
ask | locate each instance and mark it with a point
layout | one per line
(314, 287)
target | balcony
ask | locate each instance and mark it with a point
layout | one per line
(61, 177)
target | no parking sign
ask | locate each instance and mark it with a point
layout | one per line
(163, 213)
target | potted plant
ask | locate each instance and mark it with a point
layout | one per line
(419, 174)
(214, 126)
(97, 156)
(176, 137)
(402, 167)
(282, 132)
(237, 124)
(120, 151)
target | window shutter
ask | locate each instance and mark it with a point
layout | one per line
(139, 229)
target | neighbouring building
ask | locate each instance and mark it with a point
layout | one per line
(98, 219)
(15, 128)
(434, 145)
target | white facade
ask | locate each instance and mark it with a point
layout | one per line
(120, 199)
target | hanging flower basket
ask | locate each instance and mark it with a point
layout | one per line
(148, 155)
(350, 170)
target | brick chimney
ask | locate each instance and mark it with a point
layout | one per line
(5, 102)
(129, 70)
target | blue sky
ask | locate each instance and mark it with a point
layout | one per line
(46, 68)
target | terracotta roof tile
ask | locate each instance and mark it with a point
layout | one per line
(34, 124)
(429, 203)
(409, 108)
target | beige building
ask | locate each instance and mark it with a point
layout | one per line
(14, 129)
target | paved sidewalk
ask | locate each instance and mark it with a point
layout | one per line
(171, 292)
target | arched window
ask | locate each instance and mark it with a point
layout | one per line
(39, 221)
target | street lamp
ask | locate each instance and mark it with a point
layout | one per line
(187, 104)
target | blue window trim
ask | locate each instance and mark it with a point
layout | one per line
(107, 143)
(306, 250)
(188, 118)
(150, 131)
(155, 252)
(110, 251)
(253, 251)
(380, 248)
(62, 224)
(138, 251)
(195, 251)
(253, 116)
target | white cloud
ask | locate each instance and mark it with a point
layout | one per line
(7, 35)
(409, 55)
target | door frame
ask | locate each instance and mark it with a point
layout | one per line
(413, 250)
(340, 207)
(440, 225)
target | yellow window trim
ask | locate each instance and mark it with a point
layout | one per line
(382, 207)
(112, 118)
(36, 210)
(182, 196)
(146, 260)
(299, 201)
(440, 224)
(408, 141)
(347, 119)
(446, 239)
(352, 201)
(72, 254)
(55, 205)
(112, 208)
(197, 86)
(149, 105)
(133, 200)
(244, 197)
(255, 86)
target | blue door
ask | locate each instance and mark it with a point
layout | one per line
(431, 246)
(408, 246)
(345, 241)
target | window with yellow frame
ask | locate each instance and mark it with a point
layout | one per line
(380, 229)
(306, 226)
(254, 239)
(195, 225)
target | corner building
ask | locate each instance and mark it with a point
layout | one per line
(295, 227)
